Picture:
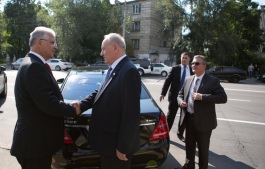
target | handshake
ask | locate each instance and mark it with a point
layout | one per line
(77, 108)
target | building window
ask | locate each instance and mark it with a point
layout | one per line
(136, 9)
(136, 26)
(135, 43)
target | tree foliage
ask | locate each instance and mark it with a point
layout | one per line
(226, 31)
(20, 18)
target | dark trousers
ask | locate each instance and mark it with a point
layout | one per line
(172, 111)
(114, 163)
(202, 139)
(44, 163)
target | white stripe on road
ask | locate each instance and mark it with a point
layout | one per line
(241, 121)
(240, 100)
(255, 91)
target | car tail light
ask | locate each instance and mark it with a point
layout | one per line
(161, 131)
(67, 139)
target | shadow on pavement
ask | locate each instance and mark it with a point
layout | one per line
(216, 161)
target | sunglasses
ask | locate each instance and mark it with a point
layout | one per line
(196, 63)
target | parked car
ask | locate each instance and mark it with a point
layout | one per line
(99, 65)
(160, 69)
(230, 73)
(262, 77)
(59, 64)
(16, 64)
(154, 133)
(144, 63)
(3, 82)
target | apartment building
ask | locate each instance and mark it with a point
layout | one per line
(145, 31)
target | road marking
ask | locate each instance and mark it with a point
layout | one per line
(240, 100)
(256, 91)
(237, 121)
(241, 121)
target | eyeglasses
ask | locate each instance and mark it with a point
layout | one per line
(196, 63)
(51, 42)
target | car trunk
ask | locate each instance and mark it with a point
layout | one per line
(76, 129)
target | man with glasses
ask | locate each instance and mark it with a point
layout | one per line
(197, 99)
(38, 133)
(175, 80)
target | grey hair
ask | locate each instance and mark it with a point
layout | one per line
(39, 32)
(201, 57)
(117, 38)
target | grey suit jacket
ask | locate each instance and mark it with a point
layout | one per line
(204, 110)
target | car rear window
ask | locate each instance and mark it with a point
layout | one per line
(79, 86)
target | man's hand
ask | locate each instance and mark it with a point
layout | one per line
(197, 96)
(121, 156)
(77, 108)
(183, 105)
(161, 98)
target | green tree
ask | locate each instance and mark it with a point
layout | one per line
(226, 31)
(80, 27)
(21, 18)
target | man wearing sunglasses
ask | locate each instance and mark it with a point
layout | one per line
(197, 99)
(175, 80)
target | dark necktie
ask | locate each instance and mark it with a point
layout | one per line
(48, 67)
(107, 76)
(182, 77)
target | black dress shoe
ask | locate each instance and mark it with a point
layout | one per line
(181, 138)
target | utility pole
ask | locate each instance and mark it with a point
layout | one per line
(124, 17)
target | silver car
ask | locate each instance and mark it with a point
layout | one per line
(16, 64)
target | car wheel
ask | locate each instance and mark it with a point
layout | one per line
(4, 92)
(141, 72)
(57, 68)
(164, 74)
(12, 67)
(235, 79)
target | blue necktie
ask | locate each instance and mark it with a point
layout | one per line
(108, 74)
(182, 77)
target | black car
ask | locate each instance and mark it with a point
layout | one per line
(3, 82)
(77, 153)
(230, 73)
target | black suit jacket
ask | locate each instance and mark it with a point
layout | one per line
(116, 112)
(39, 129)
(173, 80)
(204, 110)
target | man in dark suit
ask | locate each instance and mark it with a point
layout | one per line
(39, 129)
(175, 80)
(197, 99)
(114, 127)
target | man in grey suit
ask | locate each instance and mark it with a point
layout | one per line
(114, 126)
(197, 99)
(38, 133)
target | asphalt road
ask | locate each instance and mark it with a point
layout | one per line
(237, 143)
